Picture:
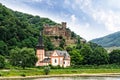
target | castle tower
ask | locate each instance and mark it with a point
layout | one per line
(64, 25)
(40, 52)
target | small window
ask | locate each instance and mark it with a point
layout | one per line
(55, 61)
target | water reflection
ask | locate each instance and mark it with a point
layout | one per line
(80, 78)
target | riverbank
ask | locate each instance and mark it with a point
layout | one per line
(64, 75)
(39, 73)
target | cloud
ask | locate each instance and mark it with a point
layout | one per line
(66, 2)
(73, 18)
(109, 18)
(37, 0)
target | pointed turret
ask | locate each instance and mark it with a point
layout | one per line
(40, 52)
(40, 44)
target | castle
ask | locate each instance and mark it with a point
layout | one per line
(56, 32)
(55, 58)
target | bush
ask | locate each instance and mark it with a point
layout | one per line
(23, 75)
(1, 74)
(2, 62)
(56, 67)
(47, 70)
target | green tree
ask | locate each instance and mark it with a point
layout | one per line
(86, 52)
(68, 48)
(58, 48)
(62, 43)
(48, 44)
(3, 31)
(2, 62)
(93, 45)
(73, 35)
(76, 57)
(47, 70)
(79, 46)
(24, 57)
(99, 56)
(114, 57)
(3, 48)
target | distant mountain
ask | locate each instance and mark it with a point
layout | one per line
(110, 40)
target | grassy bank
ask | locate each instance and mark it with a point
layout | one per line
(37, 72)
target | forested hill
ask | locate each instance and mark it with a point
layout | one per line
(21, 30)
(112, 40)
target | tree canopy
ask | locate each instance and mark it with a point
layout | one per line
(24, 57)
(115, 57)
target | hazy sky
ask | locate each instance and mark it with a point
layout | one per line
(88, 18)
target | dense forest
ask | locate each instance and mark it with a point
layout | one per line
(19, 29)
(19, 34)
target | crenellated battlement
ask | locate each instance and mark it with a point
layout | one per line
(57, 30)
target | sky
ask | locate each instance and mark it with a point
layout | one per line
(88, 18)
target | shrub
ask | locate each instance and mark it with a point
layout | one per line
(56, 67)
(47, 70)
(23, 75)
(2, 62)
(1, 74)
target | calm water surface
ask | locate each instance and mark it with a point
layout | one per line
(79, 78)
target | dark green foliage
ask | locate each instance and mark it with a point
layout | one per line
(24, 57)
(58, 48)
(23, 75)
(55, 67)
(99, 56)
(79, 45)
(47, 70)
(2, 62)
(93, 45)
(62, 43)
(76, 57)
(73, 35)
(86, 52)
(48, 44)
(21, 30)
(109, 40)
(68, 48)
(115, 57)
(3, 48)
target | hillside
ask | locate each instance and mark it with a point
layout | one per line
(22, 30)
(19, 30)
(112, 40)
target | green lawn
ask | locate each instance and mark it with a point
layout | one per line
(36, 71)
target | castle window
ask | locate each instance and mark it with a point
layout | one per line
(55, 61)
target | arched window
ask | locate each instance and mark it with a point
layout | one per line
(55, 61)
(64, 62)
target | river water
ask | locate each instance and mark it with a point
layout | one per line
(79, 78)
